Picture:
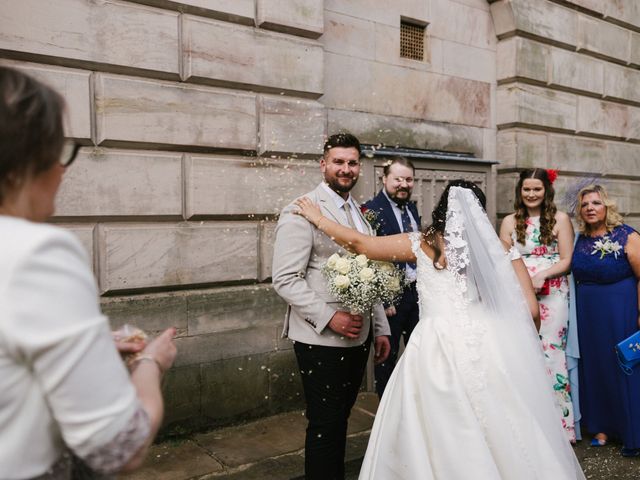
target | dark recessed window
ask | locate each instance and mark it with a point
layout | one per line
(412, 40)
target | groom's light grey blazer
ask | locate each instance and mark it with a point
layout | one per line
(300, 251)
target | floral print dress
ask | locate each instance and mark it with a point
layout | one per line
(553, 299)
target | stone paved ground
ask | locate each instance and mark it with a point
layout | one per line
(272, 448)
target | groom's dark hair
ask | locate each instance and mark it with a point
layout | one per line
(343, 140)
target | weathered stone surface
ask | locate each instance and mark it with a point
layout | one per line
(627, 11)
(520, 57)
(505, 187)
(594, 5)
(73, 85)
(520, 103)
(246, 343)
(85, 235)
(175, 461)
(291, 126)
(120, 182)
(391, 131)
(489, 144)
(469, 62)
(472, 26)
(229, 55)
(576, 154)
(633, 130)
(235, 388)
(387, 50)
(153, 313)
(285, 384)
(133, 110)
(181, 391)
(299, 17)
(622, 83)
(381, 11)
(152, 255)
(602, 118)
(355, 37)
(603, 38)
(230, 185)
(234, 309)
(237, 11)
(267, 238)
(108, 31)
(522, 149)
(623, 159)
(576, 71)
(635, 48)
(424, 95)
(542, 19)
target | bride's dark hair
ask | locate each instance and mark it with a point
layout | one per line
(439, 216)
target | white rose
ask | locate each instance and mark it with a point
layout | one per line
(342, 266)
(331, 261)
(341, 281)
(362, 260)
(367, 274)
(393, 284)
(387, 267)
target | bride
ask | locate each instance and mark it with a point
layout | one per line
(470, 397)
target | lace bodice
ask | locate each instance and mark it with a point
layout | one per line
(590, 267)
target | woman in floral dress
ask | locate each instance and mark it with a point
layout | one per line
(544, 237)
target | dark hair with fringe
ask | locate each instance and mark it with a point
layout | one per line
(439, 216)
(548, 208)
(342, 140)
(31, 128)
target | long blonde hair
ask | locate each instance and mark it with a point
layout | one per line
(612, 219)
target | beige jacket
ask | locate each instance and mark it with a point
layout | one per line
(300, 251)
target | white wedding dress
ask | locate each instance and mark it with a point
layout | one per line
(470, 397)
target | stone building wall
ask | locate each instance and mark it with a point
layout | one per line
(201, 119)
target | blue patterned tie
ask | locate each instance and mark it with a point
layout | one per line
(406, 227)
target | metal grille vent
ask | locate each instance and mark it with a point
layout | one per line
(411, 41)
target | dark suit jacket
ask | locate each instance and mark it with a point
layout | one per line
(386, 223)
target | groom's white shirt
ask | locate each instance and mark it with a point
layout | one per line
(299, 253)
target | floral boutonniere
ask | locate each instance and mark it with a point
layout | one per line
(371, 216)
(605, 247)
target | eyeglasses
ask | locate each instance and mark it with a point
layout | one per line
(69, 152)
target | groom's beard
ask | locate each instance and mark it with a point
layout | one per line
(338, 187)
(400, 200)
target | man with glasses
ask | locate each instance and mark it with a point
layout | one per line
(395, 213)
(331, 345)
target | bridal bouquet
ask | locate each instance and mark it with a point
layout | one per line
(360, 283)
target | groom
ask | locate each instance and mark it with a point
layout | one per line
(331, 345)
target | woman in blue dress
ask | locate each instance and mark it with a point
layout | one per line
(606, 267)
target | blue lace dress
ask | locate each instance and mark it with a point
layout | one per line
(607, 311)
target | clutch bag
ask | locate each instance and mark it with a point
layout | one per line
(628, 353)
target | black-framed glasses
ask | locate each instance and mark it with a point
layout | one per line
(69, 152)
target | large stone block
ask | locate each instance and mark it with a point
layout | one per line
(233, 186)
(472, 26)
(603, 38)
(382, 11)
(106, 32)
(602, 118)
(505, 192)
(223, 345)
(291, 126)
(520, 57)
(576, 71)
(152, 313)
(576, 154)
(106, 182)
(464, 61)
(597, 6)
(181, 391)
(234, 308)
(84, 233)
(424, 95)
(267, 239)
(622, 159)
(522, 149)
(387, 50)
(146, 111)
(355, 37)
(73, 85)
(136, 256)
(635, 48)
(626, 11)
(285, 384)
(237, 11)
(542, 19)
(525, 104)
(299, 17)
(391, 131)
(224, 54)
(235, 389)
(622, 83)
(633, 130)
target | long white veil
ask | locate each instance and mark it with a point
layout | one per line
(499, 325)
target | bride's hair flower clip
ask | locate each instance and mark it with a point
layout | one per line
(552, 174)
